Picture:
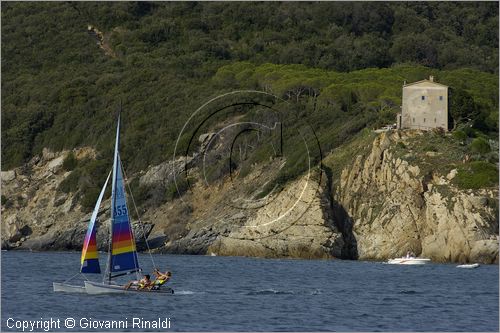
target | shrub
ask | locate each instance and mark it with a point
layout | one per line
(6, 202)
(140, 192)
(460, 135)
(429, 147)
(401, 145)
(471, 132)
(89, 198)
(175, 190)
(70, 162)
(245, 170)
(477, 174)
(70, 183)
(480, 146)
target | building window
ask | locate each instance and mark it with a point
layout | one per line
(413, 120)
(434, 120)
(424, 120)
(440, 98)
(423, 98)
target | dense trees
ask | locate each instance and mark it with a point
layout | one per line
(60, 90)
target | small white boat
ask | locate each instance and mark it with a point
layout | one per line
(476, 265)
(409, 261)
(97, 288)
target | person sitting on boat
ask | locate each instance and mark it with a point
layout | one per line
(142, 283)
(161, 279)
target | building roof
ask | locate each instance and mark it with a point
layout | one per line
(425, 81)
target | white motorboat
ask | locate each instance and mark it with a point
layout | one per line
(409, 261)
(476, 265)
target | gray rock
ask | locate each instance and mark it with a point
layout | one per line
(56, 164)
(8, 176)
(41, 243)
(5, 245)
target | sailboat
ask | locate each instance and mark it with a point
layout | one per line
(90, 256)
(122, 254)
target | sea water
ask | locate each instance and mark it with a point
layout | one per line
(249, 294)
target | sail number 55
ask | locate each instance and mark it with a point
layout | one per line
(121, 210)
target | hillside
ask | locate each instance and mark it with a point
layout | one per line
(236, 115)
(60, 89)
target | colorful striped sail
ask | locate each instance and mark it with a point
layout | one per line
(90, 257)
(123, 251)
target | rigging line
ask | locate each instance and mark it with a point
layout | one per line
(71, 277)
(139, 218)
(84, 276)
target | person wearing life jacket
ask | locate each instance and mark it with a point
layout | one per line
(145, 282)
(161, 279)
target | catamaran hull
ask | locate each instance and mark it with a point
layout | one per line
(409, 261)
(95, 288)
(67, 288)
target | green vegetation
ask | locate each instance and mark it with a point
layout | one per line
(345, 155)
(6, 202)
(459, 135)
(480, 146)
(86, 180)
(477, 174)
(377, 91)
(178, 188)
(432, 152)
(70, 162)
(338, 65)
(70, 183)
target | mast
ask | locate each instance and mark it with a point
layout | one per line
(113, 196)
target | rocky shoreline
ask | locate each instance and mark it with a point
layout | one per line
(379, 207)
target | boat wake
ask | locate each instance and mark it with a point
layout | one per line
(270, 292)
(283, 292)
(408, 292)
(188, 292)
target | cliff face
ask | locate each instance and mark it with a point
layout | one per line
(37, 216)
(34, 209)
(297, 222)
(381, 204)
(395, 207)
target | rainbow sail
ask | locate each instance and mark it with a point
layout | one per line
(90, 257)
(123, 252)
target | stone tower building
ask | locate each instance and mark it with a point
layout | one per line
(425, 106)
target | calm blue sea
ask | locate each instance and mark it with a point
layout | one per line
(248, 294)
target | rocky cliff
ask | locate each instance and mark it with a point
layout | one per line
(380, 202)
(37, 216)
(396, 206)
